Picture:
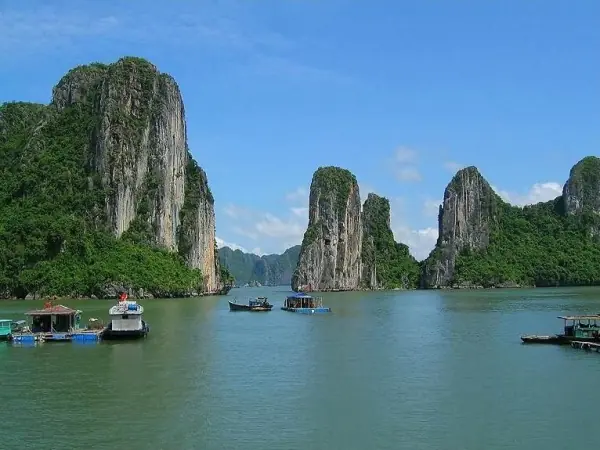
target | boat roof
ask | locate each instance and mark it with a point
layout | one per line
(299, 295)
(57, 310)
(5, 320)
(582, 317)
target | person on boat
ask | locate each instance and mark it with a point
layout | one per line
(123, 296)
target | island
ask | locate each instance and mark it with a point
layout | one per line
(100, 192)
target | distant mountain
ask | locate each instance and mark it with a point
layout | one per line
(273, 270)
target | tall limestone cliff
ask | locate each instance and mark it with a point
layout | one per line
(486, 242)
(113, 144)
(139, 149)
(331, 248)
(386, 264)
(581, 193)
(465, 221)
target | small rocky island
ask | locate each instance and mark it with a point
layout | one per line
(100, 191)
(345, 248)
(483, 241)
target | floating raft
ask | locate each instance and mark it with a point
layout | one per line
(75, 336)
(587, 346)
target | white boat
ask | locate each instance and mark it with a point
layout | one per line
(126, 321)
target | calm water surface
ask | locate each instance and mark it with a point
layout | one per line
(386, 370)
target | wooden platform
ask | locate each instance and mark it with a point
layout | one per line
(588, 346)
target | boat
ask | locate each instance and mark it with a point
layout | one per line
(582, 328)
(257, 304)
(303, 303)
(126, 320)
(5, 329)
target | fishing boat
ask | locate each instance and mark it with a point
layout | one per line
(303, 303)
(5, 329)
(582, 328)
(126, 320)
(257, 304)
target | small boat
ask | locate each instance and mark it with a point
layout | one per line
(257, 304)
(303, 303)
(126, 321)
(584, 328)
(5, 329)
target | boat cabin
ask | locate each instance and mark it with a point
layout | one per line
(5, 328)
(258, 301)
(301, 300)
(54, 319)
(126, 316)
(303, 303)
(585, 326)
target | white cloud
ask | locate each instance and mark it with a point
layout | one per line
(404, 166)
(405, 155)
(269, 232)
(224, 26)
(221, 243)
(365, 190)
(244, 231)
(300, 212)
(236, 212)
(453, 166)
(431, 207)
(298, 195)
(419, 241)
(273, 226)
(539, 192)
(408, 174)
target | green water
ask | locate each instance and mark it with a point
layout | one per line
(386, 370)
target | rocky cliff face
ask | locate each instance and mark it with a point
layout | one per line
(581, 192)
(139, 151)
(330, 253)
(386, 264)
(465, 220)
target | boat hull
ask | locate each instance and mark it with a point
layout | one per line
(319, 310)
(556, 339)
(111, 335)
(239, 307)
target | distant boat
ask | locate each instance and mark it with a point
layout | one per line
(583, 328)
(126, 320)
(258, 304)
(303, 303)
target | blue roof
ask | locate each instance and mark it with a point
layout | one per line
(299, 295)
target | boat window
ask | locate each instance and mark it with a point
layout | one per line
(125, 316)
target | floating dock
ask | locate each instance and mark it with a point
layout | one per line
(75, 336)
(587, 346)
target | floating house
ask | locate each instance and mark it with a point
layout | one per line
(55, 323)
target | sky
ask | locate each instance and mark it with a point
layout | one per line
(401, 93)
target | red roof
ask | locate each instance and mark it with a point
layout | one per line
(57, 310)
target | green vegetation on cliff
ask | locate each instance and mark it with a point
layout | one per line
(391, 262)
(53, 233)
(534, 246)
(273, 270)
(548, 244)
(336, 181)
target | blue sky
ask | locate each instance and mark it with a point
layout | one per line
(401, 93)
